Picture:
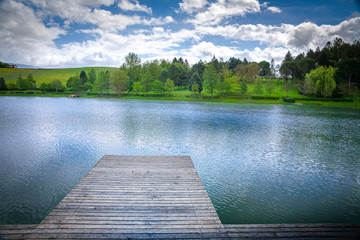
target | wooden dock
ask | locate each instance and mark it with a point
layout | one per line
(135, 197)
(153, 197)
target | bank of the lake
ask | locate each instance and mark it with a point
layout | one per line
(343, 103)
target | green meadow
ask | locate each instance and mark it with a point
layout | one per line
(47, 75)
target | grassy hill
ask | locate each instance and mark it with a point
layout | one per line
(47, 75)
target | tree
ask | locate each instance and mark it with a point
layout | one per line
(31, 82)
(258, 89)
(195, 79)
(146, 81)
(348, 69)
(247, 72)
(132, 63)
(324, 80)
(138, 87)
(92, 76)
(264, 69)
(21, 83)
(3, 86)
(228, 85)
(119, 80)
(195, 88)
(44, 87)
(74, 83)
(164, 75)
(56, 86)
(269, 86)
(157, 87)
(243, 87)
(83, 77)
(210, 78)
(101, 82)
(169, 85)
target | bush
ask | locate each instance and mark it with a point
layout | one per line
(326, 99)
(264, 97)
(289, 100)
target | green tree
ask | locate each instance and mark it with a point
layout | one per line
(119, 80)
(83, 77)
(157, 87)
(21, 83)
(269, 86)
(101, 83)
(3, 86)
(138, 87)
(211, 78)
(258, 88)
(247, 72)
(44, 87)
(56, 86)
(169, 85)
(74, 83)
(243, 87)
(195, 88)
(92, 76)
(228, 85)
(31, 82)
(132, 64)
(324, 80)
(264, 69)
(146, 81)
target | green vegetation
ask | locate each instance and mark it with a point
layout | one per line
(327, 76)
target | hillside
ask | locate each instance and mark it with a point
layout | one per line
(47, 75)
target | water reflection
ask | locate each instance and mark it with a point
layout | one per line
(259, 163)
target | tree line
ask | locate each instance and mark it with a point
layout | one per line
(333, 71)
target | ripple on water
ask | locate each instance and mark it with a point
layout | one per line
(259, 163)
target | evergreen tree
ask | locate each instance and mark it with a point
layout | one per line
(3, 86)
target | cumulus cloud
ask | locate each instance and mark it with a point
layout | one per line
(274, 9)
(190, 6)
(22, 32)
(299, 38)
(134, 5)
(222, 9)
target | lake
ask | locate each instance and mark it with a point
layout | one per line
(259, 163)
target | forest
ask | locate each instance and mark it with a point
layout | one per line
(330, 72)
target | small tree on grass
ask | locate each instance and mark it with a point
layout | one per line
(138, 87)
(146, 81)
(92, 76)
(3, 86)
(195, 88)
(56, 86)
(270, 86)
(210, 77)
(44, 87)
(258, 89)
(157, 87)
(169, 85)
(74, 83)
(119, 81)
(101, 83)
(243, 87)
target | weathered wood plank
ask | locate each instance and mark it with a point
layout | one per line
(135, 197)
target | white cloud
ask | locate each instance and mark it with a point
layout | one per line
(298, 38)
(222, 9)
(190, 6)
(274, 9)
(24, 38)
(134, 5)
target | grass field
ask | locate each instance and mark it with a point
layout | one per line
(47, 75)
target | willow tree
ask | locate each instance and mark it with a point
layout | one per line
(323, 78)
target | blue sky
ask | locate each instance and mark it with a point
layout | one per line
(74, 33)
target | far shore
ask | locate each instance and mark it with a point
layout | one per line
(342, 103)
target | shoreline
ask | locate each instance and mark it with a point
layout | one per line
(227, 100)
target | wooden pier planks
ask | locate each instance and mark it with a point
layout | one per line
(135, 197)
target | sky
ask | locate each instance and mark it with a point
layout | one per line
(78, 33)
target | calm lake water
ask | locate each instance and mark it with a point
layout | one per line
(259, 163)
